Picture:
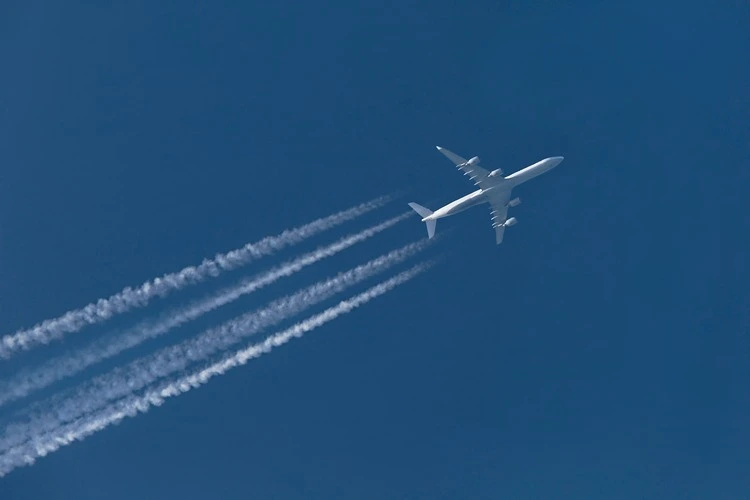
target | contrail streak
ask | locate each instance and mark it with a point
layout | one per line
(132, 405)
(129, 298)
(69, 364)
(143, 372)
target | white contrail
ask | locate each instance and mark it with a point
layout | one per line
(121, 381)
(42, 445)
(69, 364)
(129, 298)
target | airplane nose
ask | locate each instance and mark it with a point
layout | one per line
(556, 160)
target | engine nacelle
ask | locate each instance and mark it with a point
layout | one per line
(514, 202)
(473, 161)
(510, 222)
(496, 172)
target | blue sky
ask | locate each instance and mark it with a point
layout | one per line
(600, 352)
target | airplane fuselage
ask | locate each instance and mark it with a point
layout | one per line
(479, 196)
(537, 169)
(476, 198)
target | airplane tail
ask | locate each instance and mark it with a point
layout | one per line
(425, 212)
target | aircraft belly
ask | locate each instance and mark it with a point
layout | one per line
(534, 170)
(464, 203)
(526, 174)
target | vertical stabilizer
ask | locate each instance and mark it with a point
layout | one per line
(425, 212)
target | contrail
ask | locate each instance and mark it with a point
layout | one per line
(129, 298)
(132, 405)
(69, 364)
(121, 381)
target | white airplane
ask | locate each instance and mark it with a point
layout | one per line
(493, 189)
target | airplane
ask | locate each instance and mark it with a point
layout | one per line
(494, 189)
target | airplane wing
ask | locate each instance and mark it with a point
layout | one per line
(475, 173)
(498, 201)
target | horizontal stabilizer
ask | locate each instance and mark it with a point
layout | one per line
(422, 211)
(425, 212)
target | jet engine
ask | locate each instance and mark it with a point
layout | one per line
(473, 161)
(510, 222)
(514, 202)
(496, 172)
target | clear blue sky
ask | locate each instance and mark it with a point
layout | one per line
(600, 352)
